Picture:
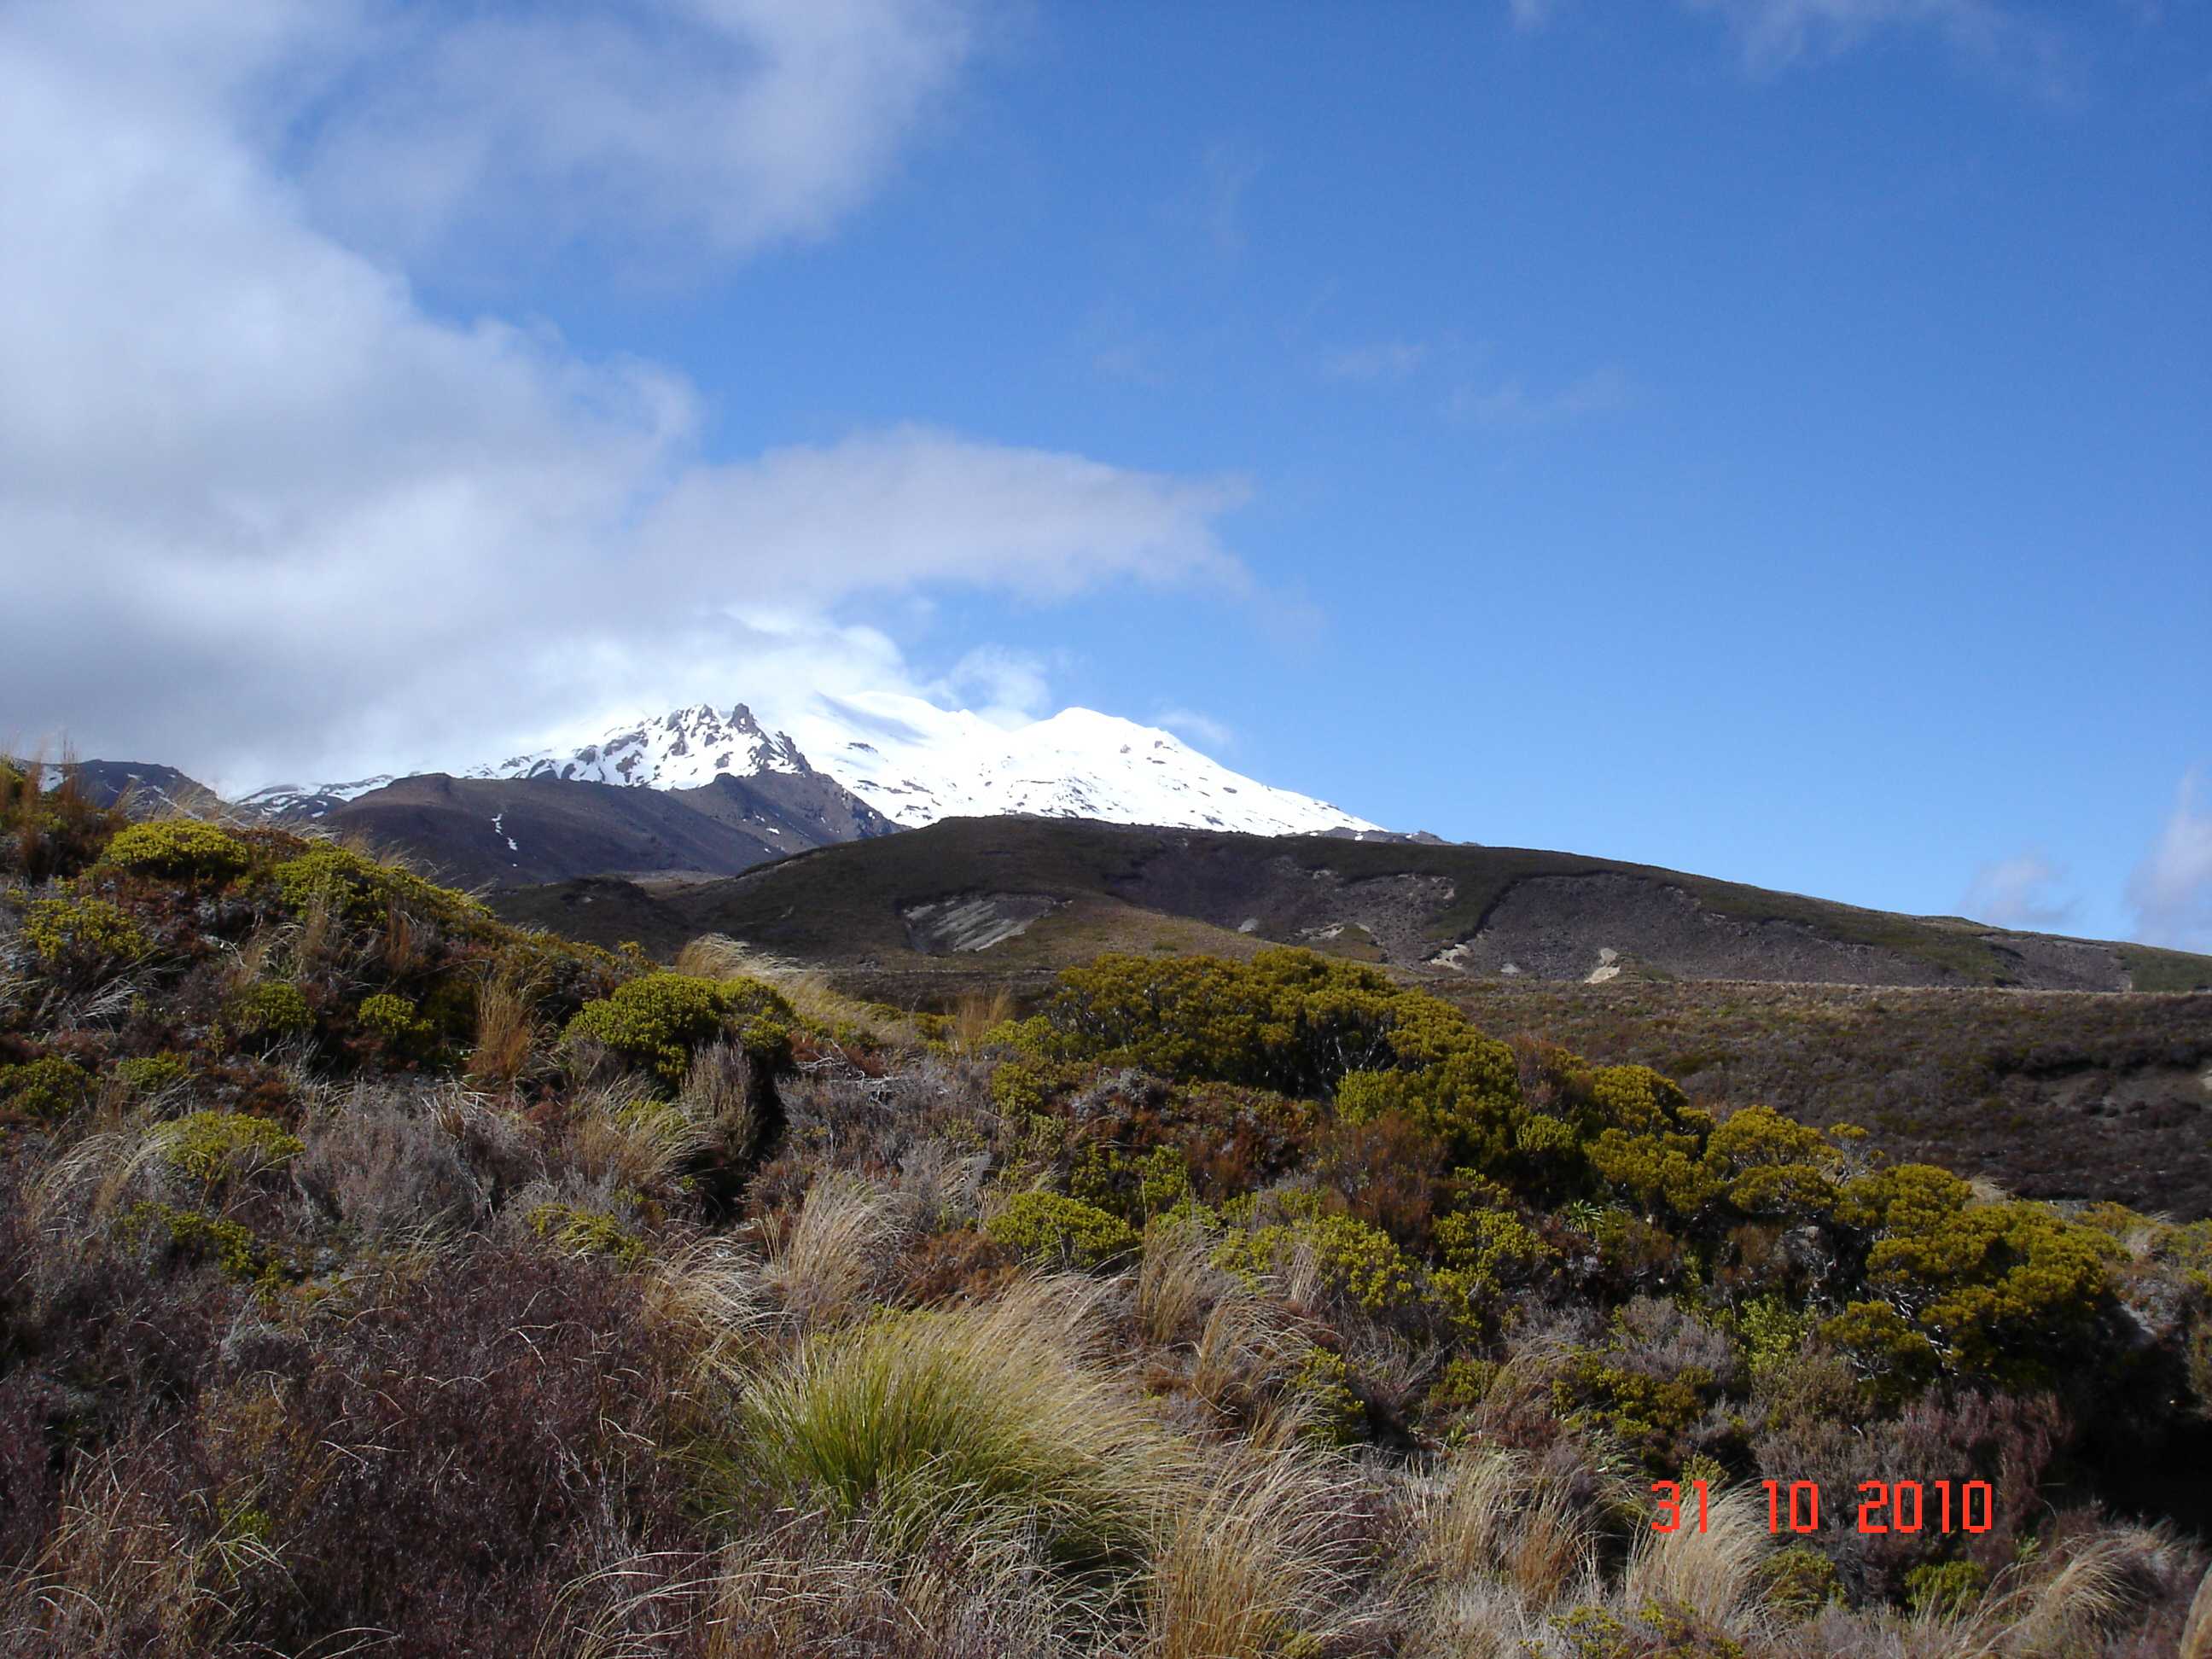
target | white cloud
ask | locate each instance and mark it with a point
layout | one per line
(1200, 728)
(722, 124)
(1533, 13)
(2171, 891)
(1385, 360)
(261, 511)
(2020, 891)
(1008, 687)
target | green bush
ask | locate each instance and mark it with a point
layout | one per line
(393, 1021)
(1774, 1166)
(231, 1246)
(1649, 1416)
(1487, 1254)
(1944, 1589)
(587, 1231)
(1799, 1580)
(1356, 1260)
(209, 1146)
(657, 1020)
(2010, 1291)
(82, 938)
(45, 1089)
(1288, 1020)
(1063, 1231)
(149, 1074)
(181, 850)
(271, 1010)
(361, 890)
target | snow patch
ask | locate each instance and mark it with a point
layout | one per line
(976, 923)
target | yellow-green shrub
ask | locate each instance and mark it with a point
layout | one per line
(150, 1073)
(1063, 1231)
(2006, 1290)
(184, 849)
(656, 1021)
(209, 1146)
(47, 1088)
(361, 890)
(271, 1010)
(589, 1232)
(81, 937)
(1355, 1260)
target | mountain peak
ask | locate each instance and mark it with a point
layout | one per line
(915, 764)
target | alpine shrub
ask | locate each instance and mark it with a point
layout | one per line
(181, 850)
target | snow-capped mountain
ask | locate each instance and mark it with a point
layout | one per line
(684, 750)
(915, 763)
(306, 801)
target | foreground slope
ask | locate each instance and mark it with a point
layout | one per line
(1218, 1308)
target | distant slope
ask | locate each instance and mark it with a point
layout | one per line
(142, 788)
(1472, 911)
(516, 832)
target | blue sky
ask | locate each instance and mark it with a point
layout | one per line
(1764, 437)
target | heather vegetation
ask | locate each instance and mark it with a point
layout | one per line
(373, 1272)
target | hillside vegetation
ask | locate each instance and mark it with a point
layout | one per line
(1491, 910)
(374, 1272)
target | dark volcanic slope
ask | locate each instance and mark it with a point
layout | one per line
(517, 832)
(794, 813)
(1479, 911)
(142, 788)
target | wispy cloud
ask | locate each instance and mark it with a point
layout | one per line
(1509, 404)
(721, 127)
(2171, 891)
(1226, 171)
(1190, 723)
(2020, 891)
(1775, 34)
(1008, 686)
(1385, 359)
(1772, 35)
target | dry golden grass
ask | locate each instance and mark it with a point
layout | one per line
(2053, 1608)
(1177, 1281)
(506, 1031)
(823, 1265)
(1494, 1518)
(1254, 1562)
(1710, 1571)
(627, 1137)
(2197, 1639)
(116, 1576)
(978, 1012)
(1006, 1416)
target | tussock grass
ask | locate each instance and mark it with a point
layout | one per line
(1713, 1571)
(998, 1411)
(823, 1264)
(1494, 1518)
(1255, 1563)
(507, 1033)
(628, 1136)
(808, 990)
(118, 1577)
(1177, 1282)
